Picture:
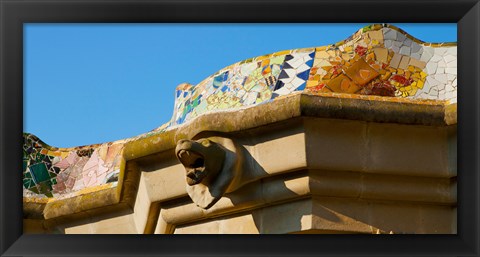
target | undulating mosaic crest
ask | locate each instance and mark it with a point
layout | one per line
(379, 60)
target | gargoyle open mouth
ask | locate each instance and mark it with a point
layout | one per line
(194, 165)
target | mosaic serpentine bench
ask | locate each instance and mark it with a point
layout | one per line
(380, 73)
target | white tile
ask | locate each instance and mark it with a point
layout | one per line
(433, 91)
(449, 58)
(396, 49)
(451, 71)
(442, 64)
(407, 42)
(405, 50)
(251, 98)
(401, 37)
(415, 56)
(303, 67)
(452, 64)
(426, 87)
(416, 48)
(388, 44)
(297, 82)
(431, 67)
(440, 50)
(432, 82)
(440, 70)
(436, 58)
(450, 95)
(452, 50)
(398, 43)
(449, 88)
(441, 88)
(389, 34)
(442, 78)
(427, 54)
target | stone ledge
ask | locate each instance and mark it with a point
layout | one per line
(332, 106)
(326, 105)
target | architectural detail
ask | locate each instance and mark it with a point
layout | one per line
(354, 137)
(214, 166)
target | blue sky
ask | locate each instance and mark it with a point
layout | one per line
(94, 83)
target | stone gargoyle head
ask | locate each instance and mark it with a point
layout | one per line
(213, 166)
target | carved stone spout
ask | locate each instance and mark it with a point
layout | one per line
(213, 166)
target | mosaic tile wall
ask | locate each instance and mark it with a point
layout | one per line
(52, 172)
(377, 60)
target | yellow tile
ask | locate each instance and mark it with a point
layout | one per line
(386, 76)
(420, 84)
(370, 56)
(312, 83)
(361, 73)
(263, 57)
(342, 84)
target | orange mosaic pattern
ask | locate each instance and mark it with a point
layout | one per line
(363, 65)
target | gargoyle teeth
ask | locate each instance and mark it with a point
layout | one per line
(191, 159)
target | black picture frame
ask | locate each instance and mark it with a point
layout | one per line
(13, 13)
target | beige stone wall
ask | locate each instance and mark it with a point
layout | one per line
(319, 175)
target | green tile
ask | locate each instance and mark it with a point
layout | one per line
(45, 188)
(34, 189)
(28, 183)
(39, 157)
(39, 172)
(25, 165)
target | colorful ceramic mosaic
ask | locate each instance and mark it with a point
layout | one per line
(54, 172)
(377, 60)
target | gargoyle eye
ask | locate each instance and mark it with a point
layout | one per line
(205, 142)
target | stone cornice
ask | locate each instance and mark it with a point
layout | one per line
(332, 106)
